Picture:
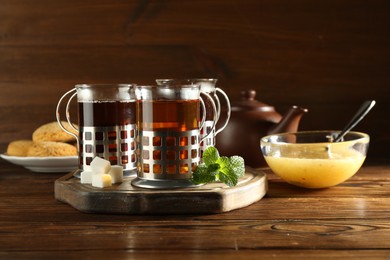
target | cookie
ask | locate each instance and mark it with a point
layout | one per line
(47, 149)
(52, 132)
(19, 147)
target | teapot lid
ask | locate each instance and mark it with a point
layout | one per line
(248, 102)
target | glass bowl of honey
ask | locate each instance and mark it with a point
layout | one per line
(311, 159)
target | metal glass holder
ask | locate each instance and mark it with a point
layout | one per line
(167, 158)
(207, 133)
(116, 144)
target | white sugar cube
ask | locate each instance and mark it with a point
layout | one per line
(116, 173)
(86, 177)
(100, 166)
(101, 180)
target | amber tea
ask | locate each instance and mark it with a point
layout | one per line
(177, 115)
(106, 124)
(168, 121)
(207, 85)
(106, 113)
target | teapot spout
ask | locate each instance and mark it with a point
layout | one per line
(290, 121)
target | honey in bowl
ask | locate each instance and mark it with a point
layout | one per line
(310, 160)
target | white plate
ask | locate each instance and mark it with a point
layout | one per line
(44, 164)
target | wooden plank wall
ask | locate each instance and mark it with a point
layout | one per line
(326, 55)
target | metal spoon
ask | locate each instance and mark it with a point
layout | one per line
(360, 114)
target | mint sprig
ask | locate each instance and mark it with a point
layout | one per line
(218, 168)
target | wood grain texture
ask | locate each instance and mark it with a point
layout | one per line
(347, 221)
(216, 254)
(125, 198)
(328, 56)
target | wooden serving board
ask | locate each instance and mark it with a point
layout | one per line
(124, 198)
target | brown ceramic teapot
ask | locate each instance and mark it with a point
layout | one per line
(250, 120)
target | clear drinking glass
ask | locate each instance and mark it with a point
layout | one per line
(169, 122)
(207, 85)
(106, 124)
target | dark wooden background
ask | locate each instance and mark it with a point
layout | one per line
(326, 55)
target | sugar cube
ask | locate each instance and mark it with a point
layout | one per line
(86, 177)
(100, 165)
(101, 180)
(116, 173)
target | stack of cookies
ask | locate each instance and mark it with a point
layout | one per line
(47, 140)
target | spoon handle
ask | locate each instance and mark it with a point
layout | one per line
(360, 114)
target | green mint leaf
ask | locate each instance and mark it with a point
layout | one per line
(213, 167)
(210, 155)
(223, 161)
(237, 164)
(202, 174)
(231, 169)
(226, 172)
(228, 177)
(219, 168)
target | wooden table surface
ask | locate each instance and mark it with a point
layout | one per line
(350, 221)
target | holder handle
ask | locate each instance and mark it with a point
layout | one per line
(205, 112)
(219, 109)
(58, 114)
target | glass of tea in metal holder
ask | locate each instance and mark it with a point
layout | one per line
(207, 85)
(106, 124)
(169, 125)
